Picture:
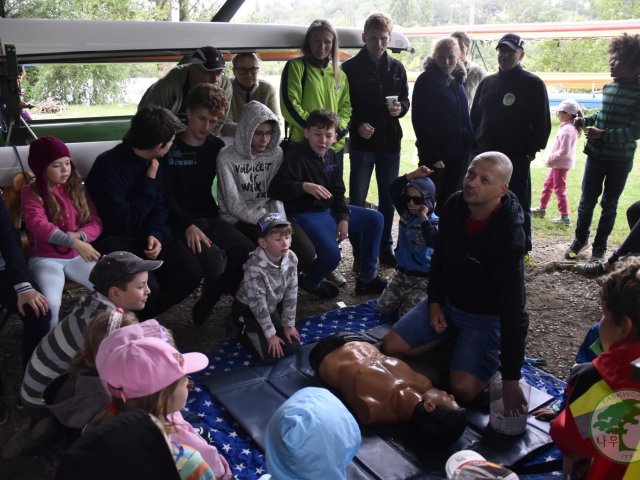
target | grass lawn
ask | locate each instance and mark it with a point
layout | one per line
(409, 161)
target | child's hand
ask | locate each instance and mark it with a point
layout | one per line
(422, 212)
(86, 251)
(317, 191)
(342, 231)
(365, 130)
(421, 171)
(291, 332)
(275, 346)
(547, 414)
(153, 248)
(593, 133)
(439, 164)
(152, 169)
(194, 236)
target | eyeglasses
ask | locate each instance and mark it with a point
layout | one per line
(247, 71)
(260, 133)
(416, 200)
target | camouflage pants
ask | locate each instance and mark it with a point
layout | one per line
(403, 292)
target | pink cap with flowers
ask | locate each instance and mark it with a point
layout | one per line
(133, 368)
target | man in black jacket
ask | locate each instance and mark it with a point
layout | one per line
(18, 294)
(510, 114)
(476, 285)
(375, 127)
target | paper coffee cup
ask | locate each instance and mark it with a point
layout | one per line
(390, 101)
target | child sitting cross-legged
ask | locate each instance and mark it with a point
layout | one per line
(310, 184)
(594, 431)
(265, 303)
(413, 196)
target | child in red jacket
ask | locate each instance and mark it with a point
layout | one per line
(597, 431)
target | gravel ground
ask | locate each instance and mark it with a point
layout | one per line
(562, 305)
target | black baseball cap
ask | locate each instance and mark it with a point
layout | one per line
(208, 58)
(112, 267)
(511, 40)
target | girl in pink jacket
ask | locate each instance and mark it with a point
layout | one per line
(561, 159)
(61, 222)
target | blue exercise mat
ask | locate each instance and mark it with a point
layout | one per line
(244, 456)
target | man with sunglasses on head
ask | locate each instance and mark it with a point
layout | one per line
(247, 87)
(205, 65)
(510, 114)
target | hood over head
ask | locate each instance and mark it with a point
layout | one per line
(426, 186)
(253, 114)
(311, 436)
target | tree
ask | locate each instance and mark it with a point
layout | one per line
(615, 418)
(615, 9)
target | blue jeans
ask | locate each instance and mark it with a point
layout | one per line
(476, 350)
(387, 166)
(611, 175)
(321, 228)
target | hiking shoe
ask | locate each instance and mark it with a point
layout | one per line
(564, 219)
(591, 269)
(538, 212)
(336, 278)
(597, 254)
(574, 249)
(386, 258)
(4, 413)
(324, 290)
(32, 433)
(377, 285)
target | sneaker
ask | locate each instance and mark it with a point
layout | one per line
(564, 219)
(325, 290)
(377, 285)
(597, 254)
(336, 278)
(574, 249)
(538, 212)
(591, 269)
(4, 413)
(32, 433)
(386, 258)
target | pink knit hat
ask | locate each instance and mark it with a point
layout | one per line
(133, 368)
(42, 152)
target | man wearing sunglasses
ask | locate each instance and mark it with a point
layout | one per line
(247, 87)
(510, 114)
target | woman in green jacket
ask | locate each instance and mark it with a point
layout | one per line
(315, 80)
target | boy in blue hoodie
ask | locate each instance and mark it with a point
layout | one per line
(413, 196)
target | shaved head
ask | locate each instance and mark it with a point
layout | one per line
(498, 160)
